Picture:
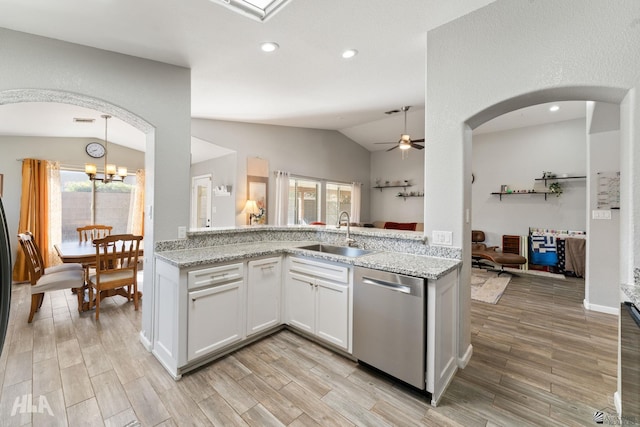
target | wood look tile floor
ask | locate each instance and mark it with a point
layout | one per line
(539, 359)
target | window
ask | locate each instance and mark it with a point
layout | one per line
(338, 200)
(87, 202)
(304, 201)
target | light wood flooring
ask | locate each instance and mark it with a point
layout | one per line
(539, 359)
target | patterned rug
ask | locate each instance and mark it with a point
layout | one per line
(487, 286)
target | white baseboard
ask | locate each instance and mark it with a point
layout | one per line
(464, 360)
(601, 308)
(145, 342)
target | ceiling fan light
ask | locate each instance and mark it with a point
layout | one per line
(404, 145)
(405, 138)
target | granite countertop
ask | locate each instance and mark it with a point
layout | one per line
(358, 231)
(633, 293)
(401, 263)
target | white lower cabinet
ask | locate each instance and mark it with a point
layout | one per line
(215, 318)
(319, 306)
(332, 312)
(264, 290)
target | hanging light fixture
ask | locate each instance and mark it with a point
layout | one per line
(111, 171)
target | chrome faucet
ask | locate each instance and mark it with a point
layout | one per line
(349, 241)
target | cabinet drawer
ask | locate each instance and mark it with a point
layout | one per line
(214, 275)
(319, 269)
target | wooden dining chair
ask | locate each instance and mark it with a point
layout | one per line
(116, 269)
(54, 268)
(89, 233)
(42, 282)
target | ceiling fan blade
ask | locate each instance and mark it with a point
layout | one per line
(417, 140)
(394, 147)
(419, 147)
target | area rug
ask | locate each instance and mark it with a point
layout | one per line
(487, 286)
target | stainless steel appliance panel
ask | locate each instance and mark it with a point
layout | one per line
(630, 363)
(389, 324)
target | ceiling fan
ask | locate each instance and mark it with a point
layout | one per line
(405, 142)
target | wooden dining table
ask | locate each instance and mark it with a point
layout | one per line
(84, 253)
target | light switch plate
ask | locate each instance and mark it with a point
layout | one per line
(182, 232)
(601, 214)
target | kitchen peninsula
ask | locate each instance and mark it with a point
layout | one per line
(221, 289)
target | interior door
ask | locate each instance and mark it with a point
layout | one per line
(201, 201)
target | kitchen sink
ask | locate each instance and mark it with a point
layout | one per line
(336, 250)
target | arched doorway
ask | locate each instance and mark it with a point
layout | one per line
(608, 95)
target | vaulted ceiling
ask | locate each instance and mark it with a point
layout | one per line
(305, 83)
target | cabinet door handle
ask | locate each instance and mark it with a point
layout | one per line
(267, 267)
(219, 276)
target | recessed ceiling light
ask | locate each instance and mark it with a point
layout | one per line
(554, 108)
(269, 46)
(349, 53)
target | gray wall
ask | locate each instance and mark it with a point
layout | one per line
(603, 244)
(515, 53)
(223, 172)
(385, 205)
(153, 97)
(515, 158)
(310, 152)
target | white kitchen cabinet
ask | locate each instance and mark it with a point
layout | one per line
(264, 290)
(318, 305)
(332, 312)
(215, 311)
(301, 296)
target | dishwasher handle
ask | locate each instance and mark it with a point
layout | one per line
(389, 285)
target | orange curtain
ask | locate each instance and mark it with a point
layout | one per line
(34, 212)
(137, 203)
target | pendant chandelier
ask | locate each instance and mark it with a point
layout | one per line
(111, 172)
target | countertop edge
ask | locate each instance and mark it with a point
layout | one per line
(381, 260)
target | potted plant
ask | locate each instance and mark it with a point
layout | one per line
(555, 188)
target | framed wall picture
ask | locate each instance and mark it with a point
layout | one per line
(258, 189)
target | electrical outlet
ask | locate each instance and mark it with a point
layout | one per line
(442, 237)
(182, 232)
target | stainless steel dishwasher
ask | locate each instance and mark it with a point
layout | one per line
(389, 324)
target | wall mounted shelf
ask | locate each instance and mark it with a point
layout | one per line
(558, 178)
(392, 186)
(404, 196)
(533, 193)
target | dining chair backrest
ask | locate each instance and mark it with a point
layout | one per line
(89, 233)
(36, 249)
(117, 252)
(34, 263)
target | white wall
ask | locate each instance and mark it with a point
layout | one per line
(515, 53)
(385, 205)
(515, 158)
(308, 152)
(152, 96)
